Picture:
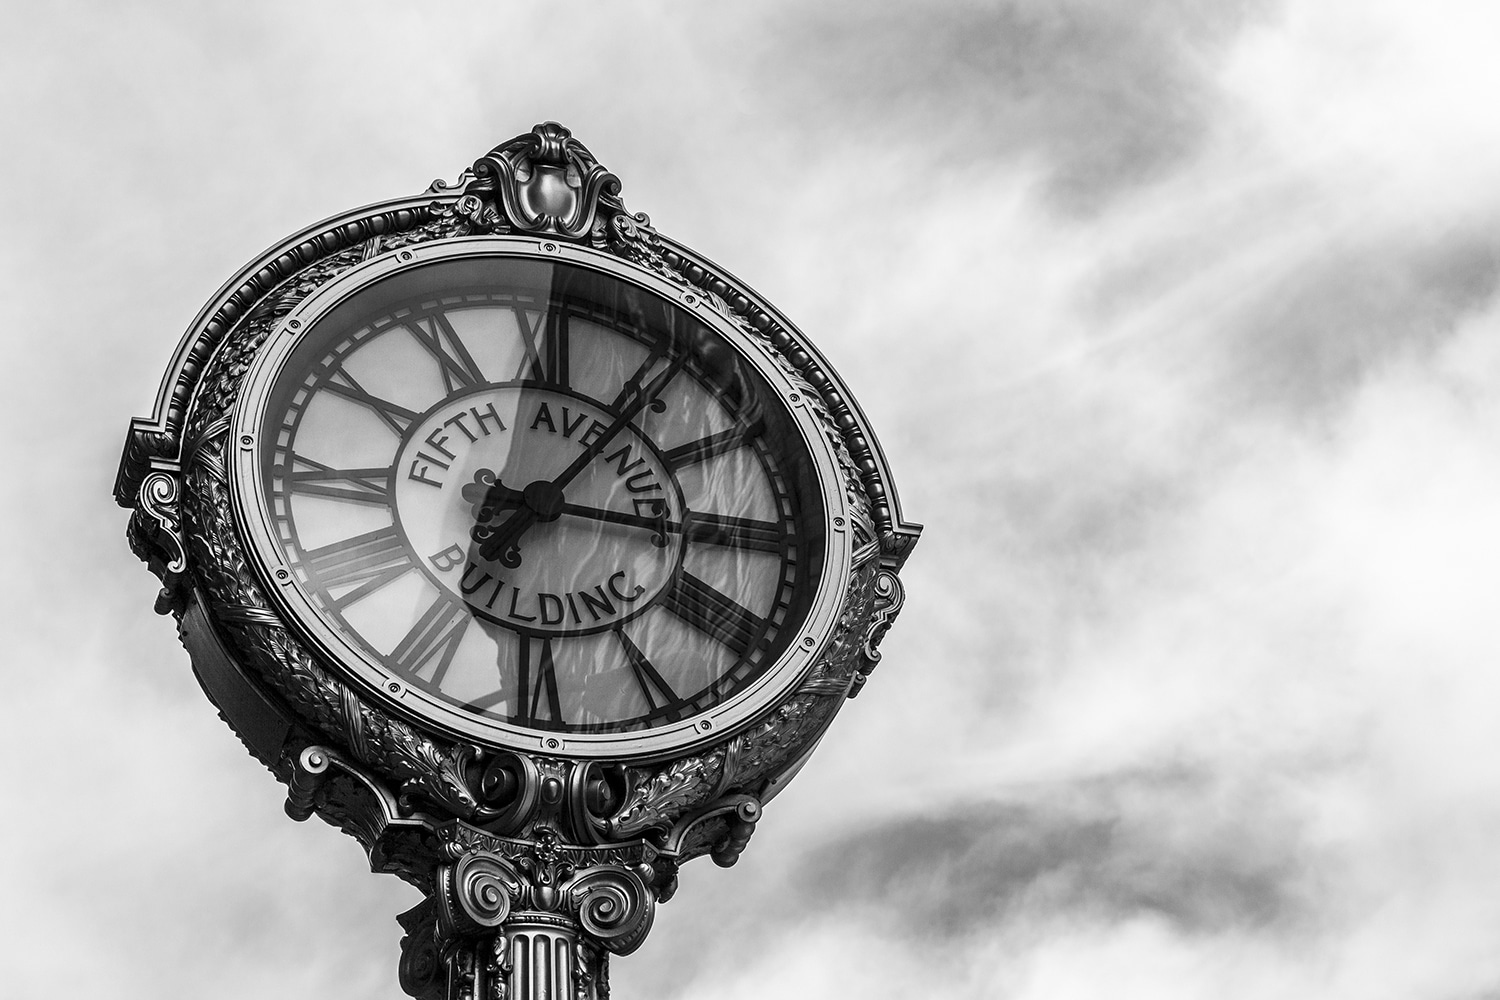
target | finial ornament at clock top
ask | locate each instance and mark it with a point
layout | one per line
(525, 544)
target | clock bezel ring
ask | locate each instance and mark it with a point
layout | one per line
(252, 517)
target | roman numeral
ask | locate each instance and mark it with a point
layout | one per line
(543, 686)
(740, 532)
(457, 365)
(397, 418)
(652, 684)
(366, 562)
(707, 447)
(366, 486)
(557, 348)
(435, 635)
(712, 613)
(637, 393)
(532, 365)
(546, 341)
(537, 700)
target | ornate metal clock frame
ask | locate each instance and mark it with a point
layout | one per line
(537, 857)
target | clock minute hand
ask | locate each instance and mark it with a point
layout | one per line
(643, 396)
(720, 529)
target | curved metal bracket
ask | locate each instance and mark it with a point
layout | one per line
(889, 596)
(741, 811)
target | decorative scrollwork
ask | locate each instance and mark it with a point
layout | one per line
(614, 907)
(483, 887)
(890, 595)
(158, 500)
(156, 536)
(594, 791)
(587, 959)
(487, 901)
(510, 787)
(306, 778)
(497, 966)
(542, 181)
(422, 971)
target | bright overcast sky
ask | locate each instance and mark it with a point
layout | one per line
(1178, 320)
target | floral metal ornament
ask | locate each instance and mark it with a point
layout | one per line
(545, 181)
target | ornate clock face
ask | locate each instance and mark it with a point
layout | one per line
(532, 495)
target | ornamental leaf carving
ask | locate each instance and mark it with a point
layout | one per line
(422, 767)
(656, 803)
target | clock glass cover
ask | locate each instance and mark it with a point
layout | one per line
(538, 495)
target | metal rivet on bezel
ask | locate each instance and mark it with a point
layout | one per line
(406, 255)
(394, 687)
(293, 324)
(283, 575)
(809, 642)
(704, 726)
(247, 440)
(550, 247)
(552, 743)
(690, 299)
(838, 522)
(794, 398)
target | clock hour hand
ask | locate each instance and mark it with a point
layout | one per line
(658, 525)
(500, 543)
(488, 496)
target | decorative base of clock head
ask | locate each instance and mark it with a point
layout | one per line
(505, 918)
(468, 941)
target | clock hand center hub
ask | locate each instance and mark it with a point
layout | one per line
(545, 500)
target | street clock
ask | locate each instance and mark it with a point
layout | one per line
(525, 544)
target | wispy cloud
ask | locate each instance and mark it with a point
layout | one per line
(1102, 98)
(1174, 845)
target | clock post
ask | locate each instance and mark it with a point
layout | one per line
(524, 544)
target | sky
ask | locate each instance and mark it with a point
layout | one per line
(1178, 322)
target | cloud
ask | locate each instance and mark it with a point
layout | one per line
(1321, 329)
(1103, 97)
(1170, 844)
